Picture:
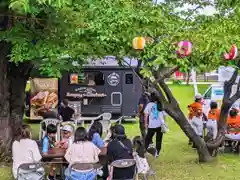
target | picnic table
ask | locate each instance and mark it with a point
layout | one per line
(57, 154)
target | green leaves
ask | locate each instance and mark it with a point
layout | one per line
(50, 29)
(21, 6)
(31, 6)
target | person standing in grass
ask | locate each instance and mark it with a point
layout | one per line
(154, 119)
(143, 101)
(66, 112)
(213, 118)
(195, 116)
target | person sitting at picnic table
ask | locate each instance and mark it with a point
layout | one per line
(120, 147)
(83, 151)
(95, 133)
(233, 121)
(67, 139)
(195, 116)
(25, 150)
(213, 118)
(49, 142)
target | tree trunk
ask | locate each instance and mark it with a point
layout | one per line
(188, 77)
(12, 90)
(205, 77)
(172, 107)
(202, 149)
(13, 80)
(18, 76)
(5, 127)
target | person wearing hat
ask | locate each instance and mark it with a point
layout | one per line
(195, 115)
(120, 147)
(67, 140)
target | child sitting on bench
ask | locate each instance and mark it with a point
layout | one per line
(233, 122)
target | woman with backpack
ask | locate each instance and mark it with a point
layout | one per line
(154, 119)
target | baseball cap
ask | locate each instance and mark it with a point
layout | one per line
(68, 128)
(198, 96)
(119, 130)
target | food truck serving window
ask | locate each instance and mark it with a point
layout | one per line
(95, 78)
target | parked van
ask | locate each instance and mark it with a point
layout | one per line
(215, 92)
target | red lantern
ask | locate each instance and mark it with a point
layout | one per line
(184, 48)
(232, 54)
(138, 43)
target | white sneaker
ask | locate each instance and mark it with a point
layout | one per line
(156, 154)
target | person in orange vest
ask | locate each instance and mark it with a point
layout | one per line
(212, 120)
(195, 115)
(233, 121)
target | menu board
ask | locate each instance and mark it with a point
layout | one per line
(44, 96)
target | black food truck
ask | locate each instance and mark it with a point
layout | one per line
(103, 86)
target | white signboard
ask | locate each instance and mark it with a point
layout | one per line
(225, 73)
(113, 79)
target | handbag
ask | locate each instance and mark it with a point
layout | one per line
(164, 128)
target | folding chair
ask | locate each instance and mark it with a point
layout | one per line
(108, 133)
(117, 121)
(45, 123)
(106, 117)
(87, 171)
(106, 122)
(31, 171)
(123, 163)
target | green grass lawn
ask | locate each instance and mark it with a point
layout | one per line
(177, 160)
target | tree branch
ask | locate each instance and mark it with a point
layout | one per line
(168, 93)
(167, 74)
(135, 73)
(159, 93)
(236, 96)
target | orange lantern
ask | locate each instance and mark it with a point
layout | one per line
(74, 79)
(138, 43)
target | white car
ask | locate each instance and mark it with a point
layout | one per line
(215, 93)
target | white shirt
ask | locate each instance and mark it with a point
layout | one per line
(24, 151)
(154, 123)
(85, 152)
